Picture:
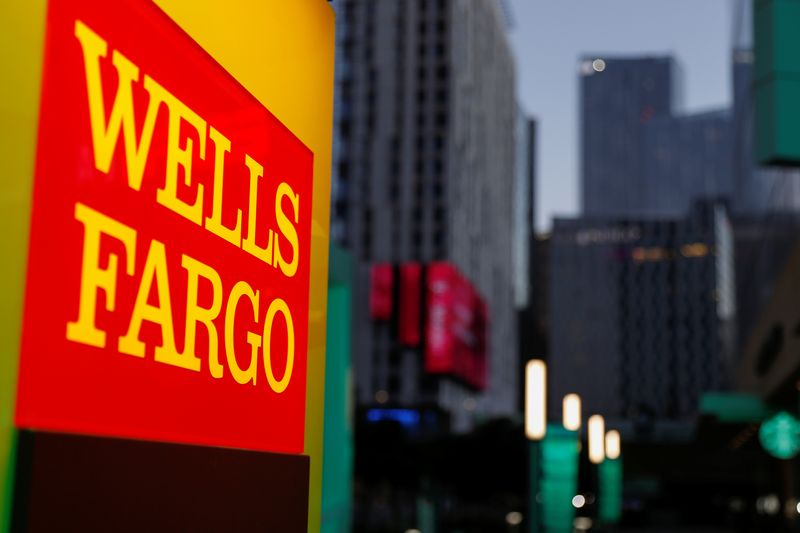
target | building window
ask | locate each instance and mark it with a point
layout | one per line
(438, 240)
(394, 384)
(366, 250)
(344, 170)
(344, 129)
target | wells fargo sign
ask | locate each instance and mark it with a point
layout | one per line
(168, 277)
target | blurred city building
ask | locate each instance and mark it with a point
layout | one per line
(763, 244)
(642, 312)
(524, 208)
(618, 98)
(526, 289)
(686, 158)
(423, 172)
(641, 155)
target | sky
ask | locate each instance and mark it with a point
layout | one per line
(548, 37)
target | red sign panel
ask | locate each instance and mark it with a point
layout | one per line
(408, 326)
(168, 278)
(455, 331)
(439, 354)
(381, 291)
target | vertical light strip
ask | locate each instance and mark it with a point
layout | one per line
(613, 444)
(597, 433)
(571, 412)
(535, 399)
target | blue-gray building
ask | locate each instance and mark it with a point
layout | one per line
(686, 158)
(618, 98)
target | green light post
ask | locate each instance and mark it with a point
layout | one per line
(609, 472)
(559, 478)
(338, 445)
(534, 514)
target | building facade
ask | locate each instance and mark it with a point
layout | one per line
(642, 312)
(686, 158)
(424, 171)
(618, 98)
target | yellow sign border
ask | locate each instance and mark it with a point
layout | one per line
(283, 53)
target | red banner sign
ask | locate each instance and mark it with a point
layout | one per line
(408, 324)
(456, 326)
(168, 278)
(381, 299)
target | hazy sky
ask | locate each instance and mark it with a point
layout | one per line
(550, 35)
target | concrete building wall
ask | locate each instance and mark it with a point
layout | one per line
(425, 172)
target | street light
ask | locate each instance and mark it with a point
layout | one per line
(535, 429)
(613, 446)
(535, 399)
(609, 491)
(596, 439)
(571, 411)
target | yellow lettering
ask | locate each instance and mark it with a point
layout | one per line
(200, 315)
(287, 228)
(278, 305)
(249, 244)
(214, 223)
(94, 278)
(249, 375)
(178, 157)
(155, 270)
(122, 119)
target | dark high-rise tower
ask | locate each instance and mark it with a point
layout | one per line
(618, 98)
(642, 312)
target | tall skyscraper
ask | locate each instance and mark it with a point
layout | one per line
(640, 156)
(686, 158)
(524, 207)
(526, 292)
(619, 97)
(642, 312)
(424, 171)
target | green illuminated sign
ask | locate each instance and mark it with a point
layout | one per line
(609, 497)
(559, 478)
(777, 81)
(780, 435)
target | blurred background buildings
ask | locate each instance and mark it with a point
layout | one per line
(642, 313)
(646, 303)
(424, 171)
